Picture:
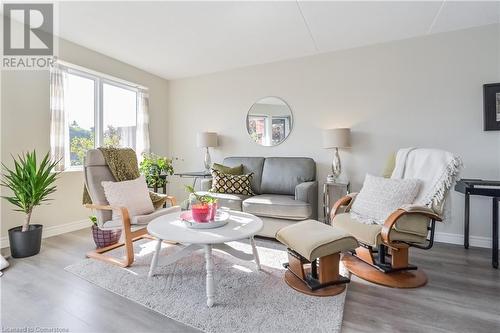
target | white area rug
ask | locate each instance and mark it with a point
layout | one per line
(246, 300)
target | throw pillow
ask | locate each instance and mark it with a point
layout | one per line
(237, 170)
(133, 194)
(231, 184)
(379, 197)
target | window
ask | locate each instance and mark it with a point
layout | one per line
(98, 111)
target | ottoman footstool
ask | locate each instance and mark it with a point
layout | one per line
(313, 257)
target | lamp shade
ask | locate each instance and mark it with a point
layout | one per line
(206, 139)
(337, 138)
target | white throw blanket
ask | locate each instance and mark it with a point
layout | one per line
(436, 169)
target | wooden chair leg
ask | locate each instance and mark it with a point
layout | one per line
(127, 261)
(129, 238)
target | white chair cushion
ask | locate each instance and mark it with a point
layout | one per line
(132, 194)
(380, 196)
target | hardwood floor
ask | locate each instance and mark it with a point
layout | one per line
(463, 295)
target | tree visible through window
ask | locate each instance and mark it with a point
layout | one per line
(99, 112)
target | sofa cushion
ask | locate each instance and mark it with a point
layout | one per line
(250, 165)
(231, 201)
(281, 175)
(277, 206)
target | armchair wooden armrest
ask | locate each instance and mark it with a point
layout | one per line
(405, 210)
(123, 210)
(171, 199)
(344, 201)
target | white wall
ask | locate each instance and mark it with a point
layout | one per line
(424, 92)
(25, 123)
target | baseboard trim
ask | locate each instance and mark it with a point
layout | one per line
(476, 241)
(54, 230)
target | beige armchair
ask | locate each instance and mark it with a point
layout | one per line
(96, 171)
(382, 256)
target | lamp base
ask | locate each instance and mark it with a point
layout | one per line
(336, 166)
(207, 161)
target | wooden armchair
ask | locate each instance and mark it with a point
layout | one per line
(134, 228)
(382, 256)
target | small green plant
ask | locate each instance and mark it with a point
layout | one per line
(30, 183)
(154, 166)
(204, 198)
(93, 219)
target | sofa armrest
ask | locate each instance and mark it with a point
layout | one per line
(308, 192)
(206, 184)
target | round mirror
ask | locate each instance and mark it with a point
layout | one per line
(269, 121)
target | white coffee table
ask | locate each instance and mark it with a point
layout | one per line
(171, 228)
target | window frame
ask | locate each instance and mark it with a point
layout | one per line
(99, 80)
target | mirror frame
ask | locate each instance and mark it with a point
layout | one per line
(291, 118)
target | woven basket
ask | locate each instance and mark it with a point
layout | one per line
(103, 238)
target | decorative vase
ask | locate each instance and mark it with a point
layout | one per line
(213, 210)
(104, 238)
(27, 243)
(201, 212)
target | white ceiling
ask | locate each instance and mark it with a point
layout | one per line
(182, 39)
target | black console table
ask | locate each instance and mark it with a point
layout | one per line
(489, 188)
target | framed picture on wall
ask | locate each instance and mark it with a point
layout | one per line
(491, 97)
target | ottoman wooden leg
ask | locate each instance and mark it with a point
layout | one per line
(328, 281)
(329, 268)
(296, 266)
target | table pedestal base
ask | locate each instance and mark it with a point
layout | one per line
(209, 264)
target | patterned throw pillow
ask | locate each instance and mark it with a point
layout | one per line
(231, 184)
(379, 197)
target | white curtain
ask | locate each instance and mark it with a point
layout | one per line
(142, 132)
(58, 128)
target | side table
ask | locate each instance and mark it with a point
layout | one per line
(332, 191)
(195, 175)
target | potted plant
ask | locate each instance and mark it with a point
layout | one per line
(156, 169)
(203, 206)
(31, 184)
(104, 238)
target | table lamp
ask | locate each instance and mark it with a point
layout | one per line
(336, 138)
(207, 140)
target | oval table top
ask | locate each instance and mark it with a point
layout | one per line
(171, 228)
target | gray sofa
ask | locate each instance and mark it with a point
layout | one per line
(286, 190)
